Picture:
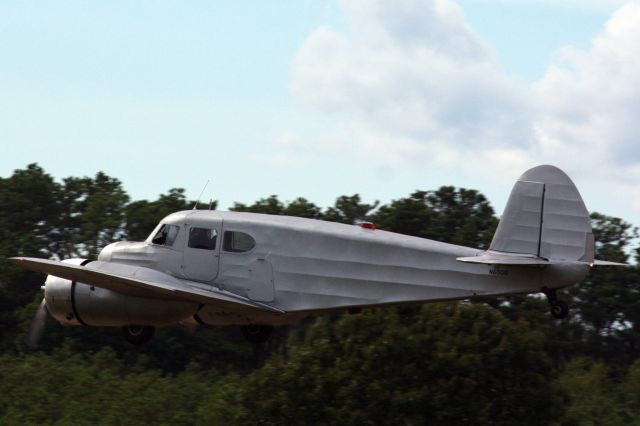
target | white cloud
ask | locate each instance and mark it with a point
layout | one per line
(592, 100)
(410, 73)
(410, 83)
(588, 107)
(581, 4)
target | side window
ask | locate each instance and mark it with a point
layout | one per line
(166, 235)
(203, 238)
(237, 242)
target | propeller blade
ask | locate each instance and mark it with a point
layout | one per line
(37, 325)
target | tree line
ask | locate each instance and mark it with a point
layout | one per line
(498, 361)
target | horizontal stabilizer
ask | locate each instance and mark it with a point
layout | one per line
(607, 263)
(140, 282)
(493, 258)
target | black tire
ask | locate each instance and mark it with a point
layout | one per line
(559, 309)
(257, 334)
(138, 334)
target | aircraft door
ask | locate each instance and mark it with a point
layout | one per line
(202, 248)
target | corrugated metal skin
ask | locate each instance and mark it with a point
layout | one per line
(320, 265)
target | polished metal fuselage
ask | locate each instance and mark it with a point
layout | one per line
(301, 266)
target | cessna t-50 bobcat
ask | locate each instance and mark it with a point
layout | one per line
(257, 270)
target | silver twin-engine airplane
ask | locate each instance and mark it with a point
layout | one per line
(257, 270)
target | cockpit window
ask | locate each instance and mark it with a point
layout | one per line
(238, 242)
(202, 238)
(166, 235)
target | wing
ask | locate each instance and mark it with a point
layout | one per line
(142, 282)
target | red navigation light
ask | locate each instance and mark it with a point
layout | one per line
(368, 225)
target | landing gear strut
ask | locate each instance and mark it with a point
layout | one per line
(257, 334)
(559, 309)
(138, 334)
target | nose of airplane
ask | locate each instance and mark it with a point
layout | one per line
(107, 252)
(138, 253)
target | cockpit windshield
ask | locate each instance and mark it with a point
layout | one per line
(166, 235)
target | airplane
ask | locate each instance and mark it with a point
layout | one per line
(260, 271)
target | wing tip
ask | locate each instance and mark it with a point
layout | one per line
(17, 260)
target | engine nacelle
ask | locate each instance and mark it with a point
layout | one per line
(76, 303)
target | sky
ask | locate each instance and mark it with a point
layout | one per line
(321, 98)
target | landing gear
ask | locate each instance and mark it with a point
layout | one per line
(138, 334)
(559, 309)
(257, 334)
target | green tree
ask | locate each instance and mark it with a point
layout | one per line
(630, 393)
(28, 209)
(459, 216)
(299, 207)
(349, 209)
(612, 236)
(607, 302)
(143, 216)
(409, 216)
(65, 234)
(594, 398)
(99, 388)
(442, 364)
(103, 213)
(463, 216)
(90, 215)
(270, 205)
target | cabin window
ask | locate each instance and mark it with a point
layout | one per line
(238, 242)
(166, 235)
(202, 238)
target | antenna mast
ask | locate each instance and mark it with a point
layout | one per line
(201, 192)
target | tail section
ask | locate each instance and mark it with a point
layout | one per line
(545, 217)
(545, 224)
(545, 221)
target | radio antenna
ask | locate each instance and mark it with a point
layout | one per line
(201, 192)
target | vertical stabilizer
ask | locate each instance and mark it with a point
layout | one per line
(545, 217)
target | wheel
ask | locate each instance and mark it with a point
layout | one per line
(559, 309)
(138, 334)
(257, 334)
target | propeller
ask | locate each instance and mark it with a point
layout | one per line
(37, 325)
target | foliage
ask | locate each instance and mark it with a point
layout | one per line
(69, 388)
(446, 363)
(596, 397)
(349, 209)
(608, 300)
(460, 216)
(441, 364)
(142, 216)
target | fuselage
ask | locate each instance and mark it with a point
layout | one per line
(303, 265)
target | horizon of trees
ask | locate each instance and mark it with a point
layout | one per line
(499, 361)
